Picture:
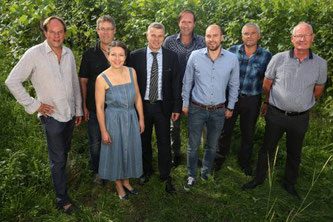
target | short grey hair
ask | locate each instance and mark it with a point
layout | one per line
(105, 18)
(155, 25)
(251, 25)
(303, 23)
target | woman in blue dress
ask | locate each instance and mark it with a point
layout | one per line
(120, 123)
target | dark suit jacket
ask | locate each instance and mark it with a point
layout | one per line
(171, 78)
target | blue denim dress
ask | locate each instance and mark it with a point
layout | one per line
(122, 158)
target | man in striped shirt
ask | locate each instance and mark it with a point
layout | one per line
(182, 43)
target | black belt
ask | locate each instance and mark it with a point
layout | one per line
(241, 95)
(289, 113)
(244, 95)
(209, 108)
(149, 102)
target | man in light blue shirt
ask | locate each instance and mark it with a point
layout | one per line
(209, 72)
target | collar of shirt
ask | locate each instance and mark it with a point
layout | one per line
(194, 36)
(97, 46)
(292, 55)
(48, 48)
(205, 52)
(149, 50)
(258, 50)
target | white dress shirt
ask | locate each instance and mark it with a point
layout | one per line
(55, 83)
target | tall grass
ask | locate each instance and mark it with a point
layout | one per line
(26, 191)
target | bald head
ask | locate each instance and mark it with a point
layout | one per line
(302, 25)
(214, 27)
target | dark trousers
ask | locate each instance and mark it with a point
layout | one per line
(94, 135)
(248, 108)
(295, 127)
(154, 116)
(58, 138)
(175, 137)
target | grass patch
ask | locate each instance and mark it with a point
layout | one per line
(27, 194)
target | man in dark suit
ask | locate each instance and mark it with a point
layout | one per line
(160, 87)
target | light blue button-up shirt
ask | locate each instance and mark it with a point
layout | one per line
(206, 81)
(150, 57)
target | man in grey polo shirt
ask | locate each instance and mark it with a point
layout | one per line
(293, 80)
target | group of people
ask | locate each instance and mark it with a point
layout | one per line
(124, 96)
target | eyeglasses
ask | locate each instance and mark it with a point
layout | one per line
(106, 29)
(307, 36)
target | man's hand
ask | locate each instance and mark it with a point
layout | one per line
(185, 111)
(175, 116)
(78, 120)
(86, 113)
(45, 109)
(264, 108)
(228, 113)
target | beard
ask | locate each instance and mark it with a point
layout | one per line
(213, 48)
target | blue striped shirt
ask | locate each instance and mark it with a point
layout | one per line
(205, 81)
(252, 70)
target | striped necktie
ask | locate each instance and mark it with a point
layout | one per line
(153, 79)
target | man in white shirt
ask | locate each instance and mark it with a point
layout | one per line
(51, 68)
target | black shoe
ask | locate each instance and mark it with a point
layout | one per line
(251, 185)
(176, 161)
(125, 197)
(291, 190)
(143, 179)
(70, 210)
(169, 187)
(218, 163)
(132, 192)
(247, 170)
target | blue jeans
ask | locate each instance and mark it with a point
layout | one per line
(58, 138)
(94, 135)
(197, 119)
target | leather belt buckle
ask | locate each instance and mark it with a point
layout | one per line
(209, 108)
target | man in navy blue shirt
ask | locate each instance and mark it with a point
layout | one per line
(182, 43)
(253, 61)
(94, 62)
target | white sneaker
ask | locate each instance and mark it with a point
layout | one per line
(190, 183)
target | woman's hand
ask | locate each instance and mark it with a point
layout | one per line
(142, 125)
(106, 137)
